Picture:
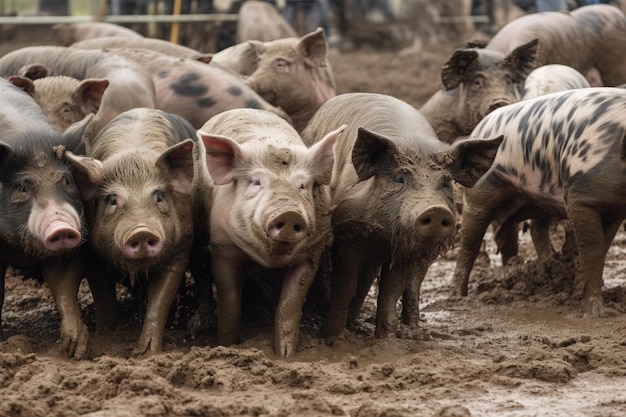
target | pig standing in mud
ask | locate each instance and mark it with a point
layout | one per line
(475, 82)
(563, 157)
(271, 207)
(290, 73)
(65, 100)
(130, 85)
(136, 183)
(392, 193)
(194, 90)
(41, 213)
(590, 39)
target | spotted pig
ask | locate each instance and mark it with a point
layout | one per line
(590, 39)
(392, 192)
(475, 82)
(562, 156)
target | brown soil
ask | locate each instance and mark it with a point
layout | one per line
(516, 346)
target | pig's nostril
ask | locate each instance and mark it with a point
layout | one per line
(287, 227)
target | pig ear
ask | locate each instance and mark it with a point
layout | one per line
(87, 173)
(222, 154)
(73, 135)
(462, 63)
(89, 93)
(33, 71)
(322, 156)
(468, 159)
(177, 160)
(523, 59)
(372, 154)
(312, 47)
(24, 83)
(204, 58)
(6, 153)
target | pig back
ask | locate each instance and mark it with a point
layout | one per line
(385, 115)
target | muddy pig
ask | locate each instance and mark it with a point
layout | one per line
(130, 85)
(392, 193)
(41, 213)
(65, 100)
(562, 157)
(295, 75)
(475, 82)
(590, 39)
(136, 183)
(271, 208)
(192, 89)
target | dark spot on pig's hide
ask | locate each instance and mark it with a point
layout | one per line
(253, 104)
(187, 86)
(206, 102)
(235, 90)
(163, 73)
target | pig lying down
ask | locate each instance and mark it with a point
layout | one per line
(562, 156)
(391, 190)
(41, 214)
(269, 206)
(136, 184)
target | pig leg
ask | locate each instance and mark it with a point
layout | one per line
(63, 277)
(593, 237)
(347, 266)
(411, 297)
(392, 284)
(102, 286)
(540, 234)
(227, 274)
(507, 239)
(369, 272)
(296, 284)
(162, 291)
(3, 270)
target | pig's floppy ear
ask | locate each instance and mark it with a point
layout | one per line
(177, 161)
(33, 71)
(24, 83)
(372, 154)
(322, 158)
(222, 153)
(87, 173)
(89, 94)
(73, 135)
(462, 63)
(523, 59)
(468, 159)
(312, 47)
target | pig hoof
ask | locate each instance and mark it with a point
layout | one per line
(595, 308)
(74, 343)
(146, 347)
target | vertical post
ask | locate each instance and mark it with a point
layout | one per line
(175, 24)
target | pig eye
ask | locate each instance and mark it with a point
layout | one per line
(159, 196)
(111, 200)
(399, 179)
(479, 82)
(281, 64)
(256, 181)
(20, 193)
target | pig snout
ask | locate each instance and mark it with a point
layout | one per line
(61, 235)
(436, 221)
(288, 227)
(142, 243)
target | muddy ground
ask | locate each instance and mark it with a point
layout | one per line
(516, 346)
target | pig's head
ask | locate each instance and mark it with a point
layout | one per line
(139, 204)
(41, 207)
(274, 198)
(285, 63)
(481, 80)
(407, 195)
(65, 100)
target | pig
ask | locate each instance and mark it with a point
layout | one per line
(136, 184)
(391, 189)
(561, 157)
(261, 21)
(65, 100)
(475, 82)
(159, 45)
(194, 90)
(240, 58)
(295, 75)
(41, 213)
(551, 78)
(130, 85)
(269, 206)
(589, 39)
(69, 33)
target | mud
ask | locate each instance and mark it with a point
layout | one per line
(517, 346)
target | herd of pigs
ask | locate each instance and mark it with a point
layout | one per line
(125, 156)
